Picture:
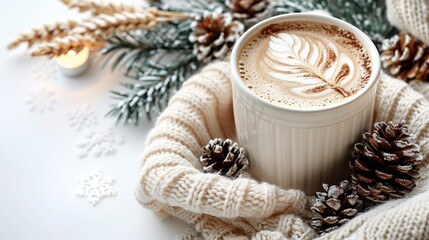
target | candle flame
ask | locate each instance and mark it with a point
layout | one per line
(73, 59)
(71, 52)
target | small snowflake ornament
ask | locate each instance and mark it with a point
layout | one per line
(98, 142)
(96, 187)
(82, 118)
(41, 100)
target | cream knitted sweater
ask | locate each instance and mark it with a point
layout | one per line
(172, 184)
(411, 16)
(171, 181)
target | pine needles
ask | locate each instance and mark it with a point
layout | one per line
(158, 60)
(367, 15)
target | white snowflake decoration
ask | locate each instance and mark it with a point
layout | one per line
(95, 187)
(41, 101)
(82, 118)
(98, 142)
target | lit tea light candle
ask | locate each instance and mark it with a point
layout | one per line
(73, 63)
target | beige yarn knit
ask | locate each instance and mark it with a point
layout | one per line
(411, 16)
(171, 181)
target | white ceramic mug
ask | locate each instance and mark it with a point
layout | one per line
(301, 148)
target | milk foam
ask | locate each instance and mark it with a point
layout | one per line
(304, 65)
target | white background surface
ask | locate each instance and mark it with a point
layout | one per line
(39, 166)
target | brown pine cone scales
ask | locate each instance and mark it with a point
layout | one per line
(224, 158)
(335, 207)
(214, 34)
(249, 10)
(406, 57)
(384, 163)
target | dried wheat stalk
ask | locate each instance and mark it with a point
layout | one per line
(118, 22)
(100, 8)
(91, 32)
(62, 45)
(44, 33)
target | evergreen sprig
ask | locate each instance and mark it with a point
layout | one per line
(158, 60)
(367, 15)
(294, 6)
(139, 46)
(156, 83)
(192, 6)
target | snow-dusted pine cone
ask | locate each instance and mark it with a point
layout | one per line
(384, 164)
(406, 57)
(249, 11)
(224, 158)
(335, 207)
(214, 34)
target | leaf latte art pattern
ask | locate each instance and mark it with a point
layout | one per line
(310, 64)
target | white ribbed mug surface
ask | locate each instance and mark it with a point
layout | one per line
(301, 148)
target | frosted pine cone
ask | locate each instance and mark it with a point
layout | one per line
(406, 57)
(224, 157)
(335, 207)
(249, 11)
(214, 34)
(384, 164)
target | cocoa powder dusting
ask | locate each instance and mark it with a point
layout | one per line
(344, 71)
(336, 61)
(331, 59)
(317, 89)
(349, 40)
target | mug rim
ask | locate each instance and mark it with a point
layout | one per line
(316, 18)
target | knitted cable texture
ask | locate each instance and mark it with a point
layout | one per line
(421, 87)
(411, 16)
(172, 183)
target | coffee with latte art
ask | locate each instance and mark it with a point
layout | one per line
(304, 65)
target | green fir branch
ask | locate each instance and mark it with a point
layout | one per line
(294, 6)
(192, 6)
(129, 48)
(153, 90)
(158, 61)
(367, 15)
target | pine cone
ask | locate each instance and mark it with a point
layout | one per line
(406, 57)
(214, 34)
(335, 207)
(384, 163)
(249, 10)
(224, 157)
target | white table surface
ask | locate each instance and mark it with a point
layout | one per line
(39, 166)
